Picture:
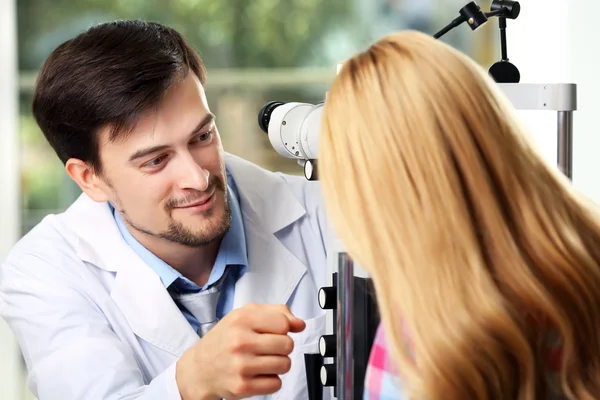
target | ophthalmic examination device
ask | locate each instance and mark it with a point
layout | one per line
(349, 298)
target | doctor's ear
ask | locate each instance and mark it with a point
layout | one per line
(87, 179)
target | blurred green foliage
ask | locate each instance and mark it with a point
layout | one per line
(227, 34)
(239, 34)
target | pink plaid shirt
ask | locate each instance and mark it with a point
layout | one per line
(382, 381)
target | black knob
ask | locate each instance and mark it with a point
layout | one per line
(473, 14)
(328, 375)
(311, 172)
(328, 345)
(512, 9)
(328, 298)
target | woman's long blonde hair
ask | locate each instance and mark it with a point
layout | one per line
(474, 242)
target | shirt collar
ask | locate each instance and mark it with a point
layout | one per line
(167, 274)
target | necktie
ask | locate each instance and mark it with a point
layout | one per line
(203, 305)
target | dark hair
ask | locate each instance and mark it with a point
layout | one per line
(106, 77)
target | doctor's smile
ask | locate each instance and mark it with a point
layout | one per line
(200, 205)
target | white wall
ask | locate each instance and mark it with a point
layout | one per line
(10, 371)
(583, 67)
(552, 41)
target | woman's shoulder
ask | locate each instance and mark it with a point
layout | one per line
(381, 380)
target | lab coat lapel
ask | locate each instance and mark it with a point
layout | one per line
(273, 271)
(150, 310)
(268, 206)
(137, 289)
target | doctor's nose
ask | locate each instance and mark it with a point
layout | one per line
(193, 176)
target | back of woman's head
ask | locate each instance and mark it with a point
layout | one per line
(474, 242)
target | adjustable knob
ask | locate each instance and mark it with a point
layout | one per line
(512, 9)
(311, 170)
(328, 346)
(328, 375)
(328, 298)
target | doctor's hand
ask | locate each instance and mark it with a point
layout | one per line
(241, 356)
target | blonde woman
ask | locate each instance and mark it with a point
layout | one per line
(485, 260)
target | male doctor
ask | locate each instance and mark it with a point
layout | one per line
(181, 272)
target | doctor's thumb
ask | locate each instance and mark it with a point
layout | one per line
(296, 324)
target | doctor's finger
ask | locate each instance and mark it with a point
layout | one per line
(269, 321)
(296, 324)
(279, 308)
(270, 344)
(266, 365)
(257, 386)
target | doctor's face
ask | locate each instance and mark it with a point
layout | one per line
(167, 178)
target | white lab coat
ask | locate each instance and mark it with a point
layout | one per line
(94, 322)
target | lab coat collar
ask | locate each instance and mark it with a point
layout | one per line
(266, 197)
(267, 204)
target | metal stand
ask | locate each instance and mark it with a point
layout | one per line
(345, 324)
(565, 142)
(558, 97)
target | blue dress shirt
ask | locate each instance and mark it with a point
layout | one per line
(232, 255)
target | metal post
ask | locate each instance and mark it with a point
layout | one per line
(565, 142)
(345, 323)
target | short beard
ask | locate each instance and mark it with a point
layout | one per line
(177, 232)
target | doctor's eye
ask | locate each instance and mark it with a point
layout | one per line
(155, 162)
(204, 137)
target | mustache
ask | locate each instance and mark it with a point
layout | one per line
(215, 182)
